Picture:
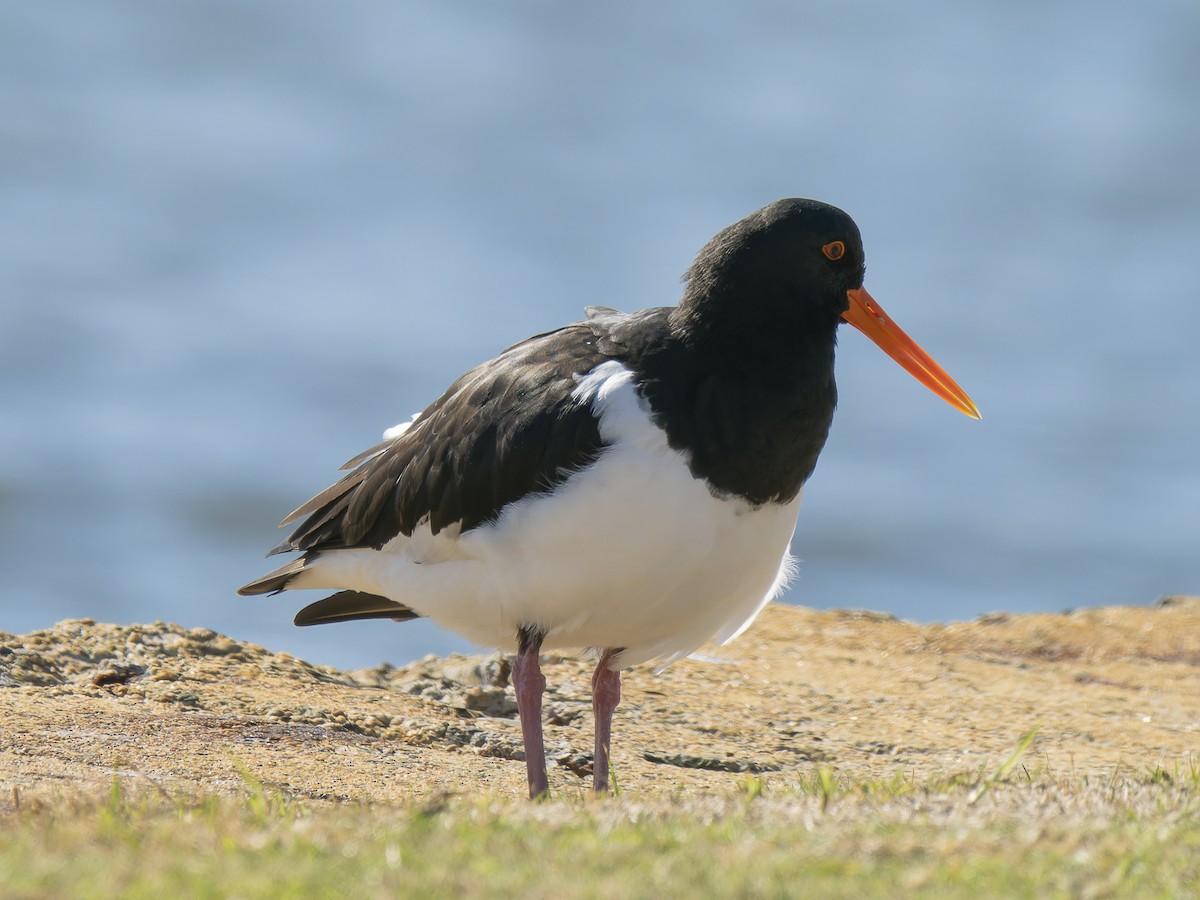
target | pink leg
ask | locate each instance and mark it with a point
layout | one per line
(606, 694)
(529, 684)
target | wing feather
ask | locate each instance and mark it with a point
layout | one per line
(505, 429)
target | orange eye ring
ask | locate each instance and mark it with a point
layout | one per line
(834, 250)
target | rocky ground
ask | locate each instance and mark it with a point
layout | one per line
(1111, 691)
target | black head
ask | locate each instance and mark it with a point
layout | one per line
(790, 263)
(776, 285)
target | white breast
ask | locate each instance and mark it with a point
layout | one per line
(631, 552)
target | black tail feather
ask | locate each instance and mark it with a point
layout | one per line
(348, 606)
(274, 582)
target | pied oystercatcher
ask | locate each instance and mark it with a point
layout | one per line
(628, 483)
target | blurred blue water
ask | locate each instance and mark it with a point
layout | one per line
(238, 241)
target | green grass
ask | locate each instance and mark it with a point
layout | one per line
(1028, 835)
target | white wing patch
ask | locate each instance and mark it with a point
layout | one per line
(396, 430)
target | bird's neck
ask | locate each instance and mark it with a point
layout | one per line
(765, 335)
(763, 323)
(749, 407)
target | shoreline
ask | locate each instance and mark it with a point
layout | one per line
(865, 695)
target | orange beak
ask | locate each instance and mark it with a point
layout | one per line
(868, 317)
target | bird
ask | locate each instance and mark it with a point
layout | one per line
(627, 484)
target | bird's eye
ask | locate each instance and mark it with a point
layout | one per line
(834, 250)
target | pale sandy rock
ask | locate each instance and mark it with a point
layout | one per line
(184, 710)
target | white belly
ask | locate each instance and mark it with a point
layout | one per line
(631, 552)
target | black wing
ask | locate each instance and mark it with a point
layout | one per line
(505, 429)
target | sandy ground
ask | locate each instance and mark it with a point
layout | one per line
(1111, 690)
